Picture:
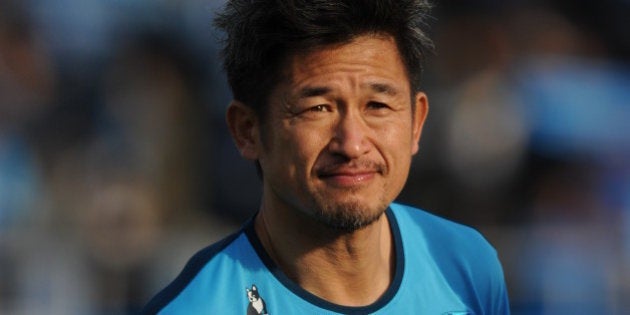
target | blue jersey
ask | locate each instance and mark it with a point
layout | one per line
(441, 268)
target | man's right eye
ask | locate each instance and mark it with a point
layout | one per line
(320, 108)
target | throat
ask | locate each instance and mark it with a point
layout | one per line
(351, 270)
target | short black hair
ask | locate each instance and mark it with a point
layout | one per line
(261, 34)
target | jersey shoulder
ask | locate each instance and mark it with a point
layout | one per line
(191, 271)
(447, 234)
(466, 260)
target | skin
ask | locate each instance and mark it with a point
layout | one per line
(335, 151)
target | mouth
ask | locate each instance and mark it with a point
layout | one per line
(350, 175)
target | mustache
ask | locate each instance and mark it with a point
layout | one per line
(351, 166)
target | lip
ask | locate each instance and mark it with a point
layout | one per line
(348, 178)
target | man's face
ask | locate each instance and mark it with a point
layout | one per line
(340, 132)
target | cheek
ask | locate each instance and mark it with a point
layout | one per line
(297, 149)
(396, 134)
(308, 147)
(396, 144)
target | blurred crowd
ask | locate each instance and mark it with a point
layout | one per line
(116, 165)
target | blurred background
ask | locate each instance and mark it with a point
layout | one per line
(116, 166)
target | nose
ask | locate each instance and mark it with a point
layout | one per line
(351, 136)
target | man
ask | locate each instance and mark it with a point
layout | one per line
(327, 102)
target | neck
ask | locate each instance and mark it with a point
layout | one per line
(346, 268)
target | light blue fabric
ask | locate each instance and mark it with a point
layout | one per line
(442, 268)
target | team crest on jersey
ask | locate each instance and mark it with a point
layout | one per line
(256, 305)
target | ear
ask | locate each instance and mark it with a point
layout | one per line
(244, 128)
(419, 117)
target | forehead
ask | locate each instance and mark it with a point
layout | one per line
(373, 58)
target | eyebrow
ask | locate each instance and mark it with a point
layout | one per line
(313, 91)
(383, 88)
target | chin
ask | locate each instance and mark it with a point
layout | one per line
(348, 216)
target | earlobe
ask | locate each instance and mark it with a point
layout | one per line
(244, 128)
(419, 117)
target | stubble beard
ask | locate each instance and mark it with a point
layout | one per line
(347, 210)
(349, 215)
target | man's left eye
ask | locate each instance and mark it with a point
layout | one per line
(376, 105)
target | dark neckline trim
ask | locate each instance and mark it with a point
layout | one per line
(319, 302)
